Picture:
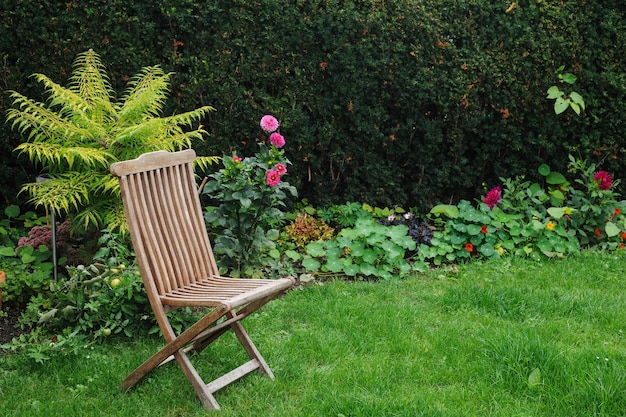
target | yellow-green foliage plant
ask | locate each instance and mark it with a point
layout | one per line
(81, 130)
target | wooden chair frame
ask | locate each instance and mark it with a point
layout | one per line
(178, 268)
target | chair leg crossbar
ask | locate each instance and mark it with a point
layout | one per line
(178, 349)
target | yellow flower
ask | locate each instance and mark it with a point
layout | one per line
(550, 226)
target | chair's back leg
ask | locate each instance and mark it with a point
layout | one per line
(249, 346)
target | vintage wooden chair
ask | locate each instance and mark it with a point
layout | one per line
(178, 268)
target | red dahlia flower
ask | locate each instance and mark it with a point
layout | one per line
(603, 179)
(493, 197)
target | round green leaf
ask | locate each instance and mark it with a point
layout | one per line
(544, 169)
(311, 264)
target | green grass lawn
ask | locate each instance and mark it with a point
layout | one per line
(501, 338)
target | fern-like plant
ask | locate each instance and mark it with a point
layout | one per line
(82, 130)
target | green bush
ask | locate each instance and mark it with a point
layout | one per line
(397, 102)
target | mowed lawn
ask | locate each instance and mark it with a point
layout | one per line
(503, 338)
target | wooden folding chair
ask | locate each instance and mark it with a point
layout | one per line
(178, 268)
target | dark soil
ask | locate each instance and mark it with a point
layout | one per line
(9, 325)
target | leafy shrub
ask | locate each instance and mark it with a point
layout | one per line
(367, 250)
(81, 131)
(343, 215)
(525, 221)
(306, 228)
(29, 271)
(95, 300)
(420, 229)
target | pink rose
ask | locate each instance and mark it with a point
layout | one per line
(277, 140)
(269, 123)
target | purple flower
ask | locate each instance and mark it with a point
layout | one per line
(493, 197)
(603, 179)
(277, 140)
(269, 123)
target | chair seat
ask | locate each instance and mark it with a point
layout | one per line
(229, 292)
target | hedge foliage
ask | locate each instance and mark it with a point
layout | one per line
(388, 102)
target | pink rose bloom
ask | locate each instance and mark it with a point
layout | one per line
(281, 169)
(272, 178)
(236, 159)
(493, 197)
(269, 123)
(277, 140)
(603, 179)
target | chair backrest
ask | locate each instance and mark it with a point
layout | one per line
(165, 220)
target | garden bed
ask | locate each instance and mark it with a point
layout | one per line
(9, 327)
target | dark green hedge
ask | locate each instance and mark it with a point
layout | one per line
(389, 102)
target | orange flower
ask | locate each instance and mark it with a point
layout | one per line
(598, 233)
(621, 245)
(550, 226)
(468, 247)
(623, 235)
(483, 230)
(617, 211)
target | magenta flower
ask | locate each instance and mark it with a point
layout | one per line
(277, 140)
(493, 197)
(272, 178)
(236, 159)
(280, 168)
(603, 179)
(269, 123)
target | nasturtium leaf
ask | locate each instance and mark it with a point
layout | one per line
(544, 245)
(544, 169)
(311, 264)
(334, 264)
(351, 270)
(487, 250)
(473, 229)
(368, 269)
(315, 249)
